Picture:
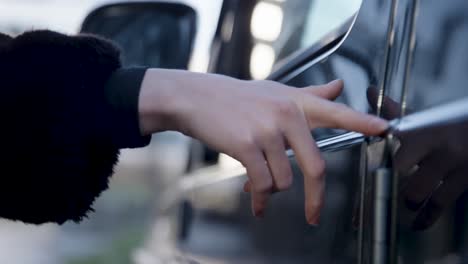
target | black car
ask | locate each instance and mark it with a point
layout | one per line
(399, 198)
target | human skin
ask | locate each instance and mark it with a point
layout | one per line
(254, 122)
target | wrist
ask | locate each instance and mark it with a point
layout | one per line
(171, 99)
(156, 103)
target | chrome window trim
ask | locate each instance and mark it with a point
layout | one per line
(388, 49)
(288, 70)
(410, 46)
(214, 174)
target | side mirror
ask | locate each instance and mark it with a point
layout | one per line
(154, 34)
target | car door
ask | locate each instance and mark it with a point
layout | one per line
(221, 224)
(431, 227)
(418, 62)
(422, 71)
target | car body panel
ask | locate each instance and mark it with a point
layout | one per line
(410, 51)
(335, 240)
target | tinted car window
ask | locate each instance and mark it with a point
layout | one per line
(281, 28)
(438, 76)
(283, 235)
(439, 72)
(307, 22)
(359, 62)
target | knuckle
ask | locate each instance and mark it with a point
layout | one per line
(320, 167)
(317, 170)
(248, 145)
(341, 107)
(267, 134)
(245, 151)
(316, 204)
(339, 110)
(287, 109)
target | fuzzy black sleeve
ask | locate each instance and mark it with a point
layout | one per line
(63, 121)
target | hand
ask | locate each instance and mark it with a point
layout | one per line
(432, 163)
(253, 122)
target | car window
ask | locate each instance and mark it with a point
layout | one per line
(438, 74)
(358, 62)
(310, 21)
(281, 28)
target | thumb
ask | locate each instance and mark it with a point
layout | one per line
(328, 91)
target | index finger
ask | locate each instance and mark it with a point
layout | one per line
(327, 114)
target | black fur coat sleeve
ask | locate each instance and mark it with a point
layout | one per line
(61, 124)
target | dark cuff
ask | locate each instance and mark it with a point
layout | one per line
(122, 92)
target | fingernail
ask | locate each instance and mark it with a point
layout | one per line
(335, 82)
(260, 214)
(314, 220)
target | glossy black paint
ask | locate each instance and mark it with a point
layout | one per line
(418, 62)
(283, 233)
(436, 229)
